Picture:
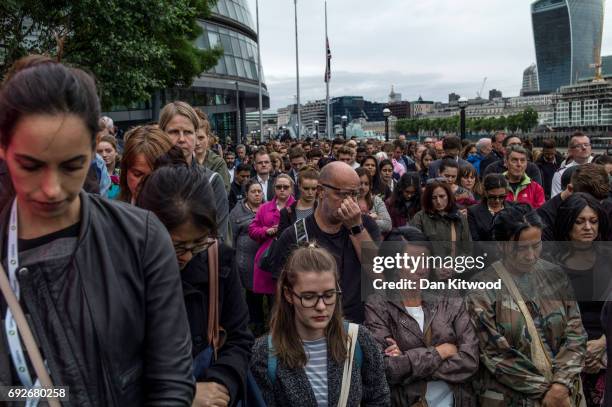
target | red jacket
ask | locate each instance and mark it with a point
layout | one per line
(529, 192)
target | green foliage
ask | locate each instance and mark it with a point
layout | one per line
(133, 47)
(524, 121)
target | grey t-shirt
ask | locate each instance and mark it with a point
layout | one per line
(316, 368)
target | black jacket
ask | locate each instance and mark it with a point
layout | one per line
(489, 159)
(6, 186)
(480, 221)
(236, 194)
(232, 362)
(125, 274)
(548, 171)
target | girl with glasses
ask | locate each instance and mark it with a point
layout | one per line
(301, 361)
(480, 217)
(182, 199)
(264, 229)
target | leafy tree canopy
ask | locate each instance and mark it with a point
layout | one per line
(133, 47)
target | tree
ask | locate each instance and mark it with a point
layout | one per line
(529, 119)
(133, 47)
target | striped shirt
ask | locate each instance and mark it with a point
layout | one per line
(316, 368)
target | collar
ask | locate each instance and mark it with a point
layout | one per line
(261, 181)
(525, 181)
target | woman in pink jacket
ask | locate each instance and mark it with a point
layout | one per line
(263, 229)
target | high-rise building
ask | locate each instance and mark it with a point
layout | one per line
(494, 94)
(453, 97)
(567, 36)
(530, 81)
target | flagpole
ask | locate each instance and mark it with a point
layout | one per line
(297, 71)
(261, 131)
(328, 123)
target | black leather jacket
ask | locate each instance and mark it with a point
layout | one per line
(125, 273)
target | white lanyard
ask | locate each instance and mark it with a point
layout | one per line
(10, 325)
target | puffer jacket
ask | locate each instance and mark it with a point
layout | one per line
(450, 323)
(246, 248)
(122, 301)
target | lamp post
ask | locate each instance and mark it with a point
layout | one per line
(463, 102)
(386, 113)
(316, 128)
(344, 123)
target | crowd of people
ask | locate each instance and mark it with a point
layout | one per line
(163, 266)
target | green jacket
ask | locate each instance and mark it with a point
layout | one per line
(215, 163)
(507, 375)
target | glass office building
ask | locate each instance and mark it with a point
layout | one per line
(567, 36)
(227, 91)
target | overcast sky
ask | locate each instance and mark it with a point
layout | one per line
(425, 48)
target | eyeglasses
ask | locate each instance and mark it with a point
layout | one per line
(343, 194)
(282, 187)
(583, 145)
(198, 247)
(496, 197)
(310, 300)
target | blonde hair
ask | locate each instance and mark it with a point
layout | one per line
(178, 108)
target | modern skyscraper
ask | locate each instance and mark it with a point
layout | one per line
(567, 36)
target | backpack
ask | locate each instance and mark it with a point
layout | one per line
(273, 360)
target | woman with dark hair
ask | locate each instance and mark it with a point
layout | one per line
(427, 157)
(480, 217)
(532, 342)
(106, 313)
(107, 149)
(582, 222)
(431, 349)
(370, 204)
(379, 189)
(182, 199)
(468, 180)
(405, 201)
(301, 361)
(439, 218)
(385, 169)
(241, 217)
(449, 170)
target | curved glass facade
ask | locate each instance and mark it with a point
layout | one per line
(567, 36)
(236, 10)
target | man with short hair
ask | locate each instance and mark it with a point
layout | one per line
(401, 162)
(578, 152)
(429, 142)
(521, 188)
(263, 167)
(361, 154)
(230, 161)
(497, 153)
(336, 144)
(297, 159)
(345, 154)
(452, 149)
(314, 156)
(338, 226)
(483, 148)
(241, 156)
(548, 163)
(370, 147)
(237, 192)
(499, 166)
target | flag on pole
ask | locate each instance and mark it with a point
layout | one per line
(328, 66)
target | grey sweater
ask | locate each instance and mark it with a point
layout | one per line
(291, 388)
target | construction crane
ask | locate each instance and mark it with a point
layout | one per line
(479, 94)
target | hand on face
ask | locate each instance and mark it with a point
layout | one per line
(349, 213)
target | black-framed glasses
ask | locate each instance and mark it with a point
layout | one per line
(343, 194)
(310, 300)
(496, 197)
(198, 246)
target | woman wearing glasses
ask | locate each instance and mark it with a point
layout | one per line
(480, 217)
(182, 199)
(301, 362)
(264, 230)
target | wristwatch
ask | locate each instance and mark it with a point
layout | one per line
(355, 230)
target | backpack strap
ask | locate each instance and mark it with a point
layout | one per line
(358, 358)
(272, 361)
(301, 234)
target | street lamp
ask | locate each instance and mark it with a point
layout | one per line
(463, 102)
(316, 125)
(386, 113)
(344, 123)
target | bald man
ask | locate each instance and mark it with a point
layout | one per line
(338, 226)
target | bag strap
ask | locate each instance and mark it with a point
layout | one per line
(301, 234)
(213, 329)
(541, 358)
(26, 335)
(351, 341)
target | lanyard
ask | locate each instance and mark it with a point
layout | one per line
(12, 333)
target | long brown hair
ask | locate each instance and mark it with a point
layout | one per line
(152, 142)
(287, 343)
(362, 172)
